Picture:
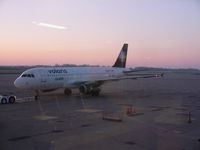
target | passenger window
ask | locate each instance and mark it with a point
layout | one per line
(32, 75)
(29, 75)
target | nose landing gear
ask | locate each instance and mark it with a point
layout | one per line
(37, 95)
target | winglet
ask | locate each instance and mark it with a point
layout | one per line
(121, 59)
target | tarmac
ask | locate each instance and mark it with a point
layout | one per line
(160, 120)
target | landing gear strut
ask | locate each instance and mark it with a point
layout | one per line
(37, 95)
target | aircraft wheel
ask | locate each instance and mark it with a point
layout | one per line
(68, 92)
(3, 101)
(11, 99)
(95, 92)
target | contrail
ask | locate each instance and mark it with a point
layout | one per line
(49, 25)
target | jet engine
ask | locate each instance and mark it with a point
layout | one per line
(84, 89)
(89, 89)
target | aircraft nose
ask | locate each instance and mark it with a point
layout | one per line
(17, 83)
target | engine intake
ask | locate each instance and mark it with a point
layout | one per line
(84, 89)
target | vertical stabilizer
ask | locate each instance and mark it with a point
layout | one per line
(121, 59)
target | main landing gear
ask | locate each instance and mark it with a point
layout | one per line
(95, 92)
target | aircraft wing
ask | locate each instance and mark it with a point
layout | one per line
(134, 70)
(136, 76)
(101, 81)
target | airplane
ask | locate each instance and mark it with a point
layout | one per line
(87, 79)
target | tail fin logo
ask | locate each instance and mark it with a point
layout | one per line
(121, 59)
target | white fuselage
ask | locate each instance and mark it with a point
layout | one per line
(44, 78)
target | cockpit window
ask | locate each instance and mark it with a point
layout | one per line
(28, 75)
(24, 75)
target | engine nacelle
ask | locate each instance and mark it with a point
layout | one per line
(89, 89)
(84, 89)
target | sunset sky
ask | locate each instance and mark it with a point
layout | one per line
(47, 32)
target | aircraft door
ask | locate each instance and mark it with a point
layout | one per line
(43, 80)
